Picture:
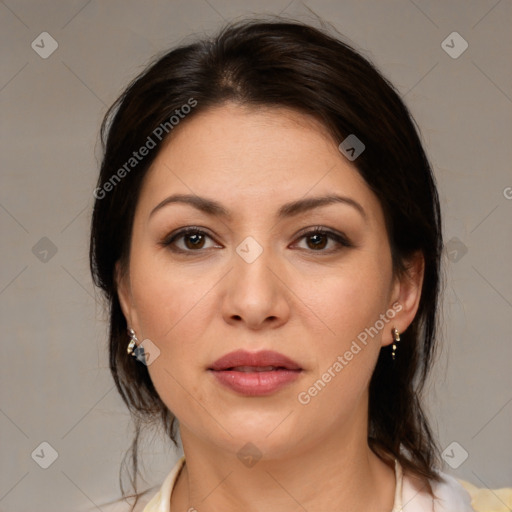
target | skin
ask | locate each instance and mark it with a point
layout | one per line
(305, 302)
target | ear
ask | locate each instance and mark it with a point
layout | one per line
(124, 294)
(406, 296)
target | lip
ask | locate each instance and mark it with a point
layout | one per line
(261, 358)
(253, 382)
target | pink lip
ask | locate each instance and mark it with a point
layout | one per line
(261, 358)
(255, 383)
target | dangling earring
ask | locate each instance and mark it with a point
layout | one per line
(133, 343)
(396, 339)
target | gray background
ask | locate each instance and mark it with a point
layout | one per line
(55, 385)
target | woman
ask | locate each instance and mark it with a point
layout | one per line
(268, 235)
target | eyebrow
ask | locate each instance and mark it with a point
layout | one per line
(213, 208)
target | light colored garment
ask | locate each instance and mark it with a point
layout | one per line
(489, 500)
(450, 495)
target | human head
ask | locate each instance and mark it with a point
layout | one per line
(281, 65)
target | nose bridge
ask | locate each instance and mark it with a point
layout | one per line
(255, 293)
(251, 265)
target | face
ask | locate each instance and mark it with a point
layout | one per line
(253, 275)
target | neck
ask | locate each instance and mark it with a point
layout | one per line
(343, 475)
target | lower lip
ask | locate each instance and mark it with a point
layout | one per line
(256, 383)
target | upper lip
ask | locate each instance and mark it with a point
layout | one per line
(261, 358)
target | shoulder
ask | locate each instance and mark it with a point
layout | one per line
(449, 495)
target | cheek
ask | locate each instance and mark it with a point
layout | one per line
(348, 300)
(172, 314)
(174, 307)
(165, 294)
(349, 303)
(347, 350)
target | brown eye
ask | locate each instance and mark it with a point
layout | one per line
(318, 239)
(194, 241)
(187, 240)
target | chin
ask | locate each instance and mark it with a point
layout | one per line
(271, 437)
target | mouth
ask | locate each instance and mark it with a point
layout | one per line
(262, 361)
(255, 374)
(251, 369)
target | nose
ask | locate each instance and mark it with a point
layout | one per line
(255, 292)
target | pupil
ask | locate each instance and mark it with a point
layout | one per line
(197, 238)
(321, 245)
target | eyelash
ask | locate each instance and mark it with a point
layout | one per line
(317, 230)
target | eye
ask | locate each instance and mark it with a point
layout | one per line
(318, 238)
(193, 239)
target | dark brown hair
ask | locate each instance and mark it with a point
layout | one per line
(287, 64)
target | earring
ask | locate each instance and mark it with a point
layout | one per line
(396, 339)
(133, 343)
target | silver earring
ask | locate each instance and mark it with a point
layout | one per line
(396, 339)
(133, 343)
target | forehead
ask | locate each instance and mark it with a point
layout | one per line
(252, 158)
(234, 137)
